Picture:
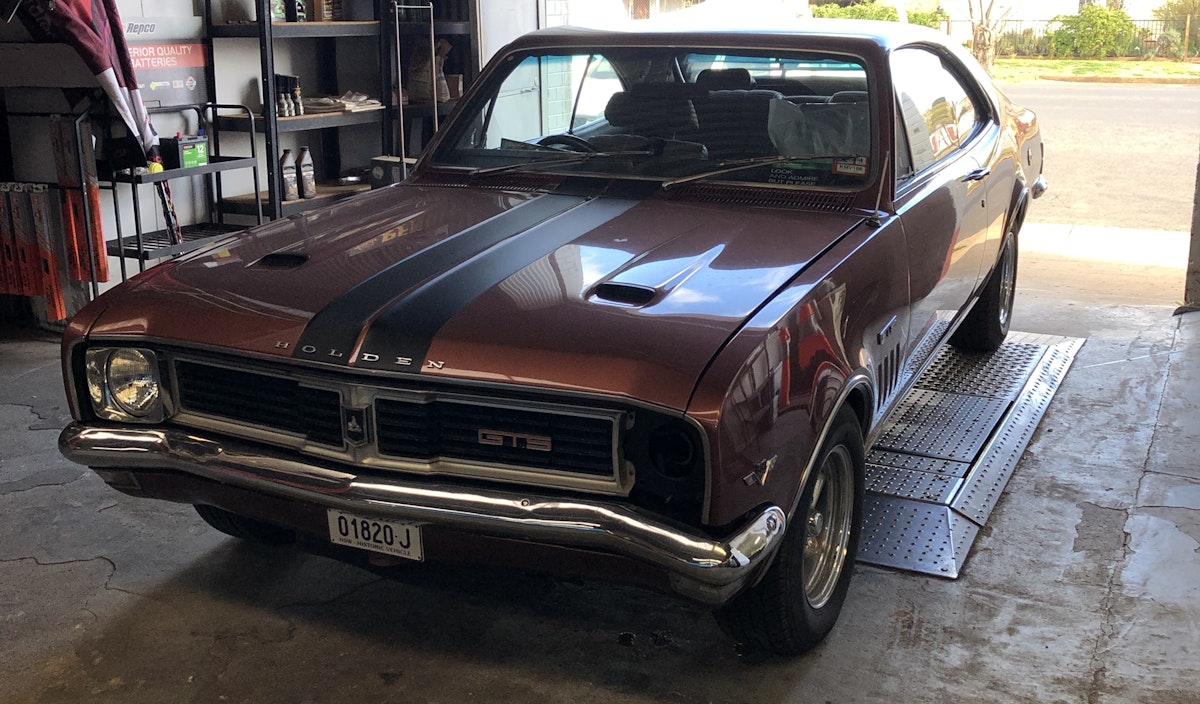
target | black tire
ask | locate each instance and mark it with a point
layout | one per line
(798, 600)
(244, 528)
(986, 326)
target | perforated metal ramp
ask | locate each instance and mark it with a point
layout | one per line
(939, 466)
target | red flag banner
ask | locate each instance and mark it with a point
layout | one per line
(93, 28)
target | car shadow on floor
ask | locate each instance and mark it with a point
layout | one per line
(257, 624)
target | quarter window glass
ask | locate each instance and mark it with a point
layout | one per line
(937, 112)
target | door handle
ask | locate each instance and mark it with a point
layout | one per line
(977, 175)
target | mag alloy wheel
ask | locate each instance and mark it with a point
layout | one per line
(1008, 282)
(829, 526)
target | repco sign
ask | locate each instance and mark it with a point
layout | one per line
(133, 29)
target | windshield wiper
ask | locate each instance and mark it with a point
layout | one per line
(564, 158)
(732, 165)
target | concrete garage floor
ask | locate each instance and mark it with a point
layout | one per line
(1084, 587)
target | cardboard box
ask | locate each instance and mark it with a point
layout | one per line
(10, 276)
(386, 170)
(20, 211)
(47, 229)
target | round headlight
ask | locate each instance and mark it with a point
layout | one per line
(132, 381)
(673, 451)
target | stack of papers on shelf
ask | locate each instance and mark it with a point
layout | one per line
(348, 102)
(356, 102)
(313, 106)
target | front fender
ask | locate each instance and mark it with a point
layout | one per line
(767, 401)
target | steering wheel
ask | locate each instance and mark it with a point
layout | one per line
(569, 141)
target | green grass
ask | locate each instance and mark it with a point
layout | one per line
(1019, 70)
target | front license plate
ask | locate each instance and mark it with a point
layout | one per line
(376, 534)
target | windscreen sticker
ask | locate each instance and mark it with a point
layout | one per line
(786, 175)
(851, 166)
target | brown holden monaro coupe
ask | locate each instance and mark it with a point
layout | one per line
(634, 315)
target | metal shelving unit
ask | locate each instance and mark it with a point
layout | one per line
(269, 33)
(326, 193)
(415, 119)
(146, 246)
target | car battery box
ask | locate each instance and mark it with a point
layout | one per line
(386, 170)
(183, 152)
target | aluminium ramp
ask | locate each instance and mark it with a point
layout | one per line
(941, 463)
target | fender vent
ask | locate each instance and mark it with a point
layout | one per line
(889, 376)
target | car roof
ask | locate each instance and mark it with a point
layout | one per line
(778, 35)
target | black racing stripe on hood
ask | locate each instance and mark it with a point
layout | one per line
(402, 336)
(333, 332)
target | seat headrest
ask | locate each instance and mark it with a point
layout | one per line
(849, 96)
(651, 115)
(725, 79)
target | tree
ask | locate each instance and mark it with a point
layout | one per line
(1176, 13)
(1177, 9)
(986, 18)
(1094, 33)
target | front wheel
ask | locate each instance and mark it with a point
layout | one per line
(799, 598)
(243, 527)
(986, 326)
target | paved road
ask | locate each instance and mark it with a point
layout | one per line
(1117, 155)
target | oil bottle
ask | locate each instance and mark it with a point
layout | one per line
(287, 167)
(308, 174)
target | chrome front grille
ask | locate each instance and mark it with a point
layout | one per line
(407, 429)
(496, 434)
(261, 399)
(410, 430)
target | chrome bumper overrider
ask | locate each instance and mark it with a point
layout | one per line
(701, 568)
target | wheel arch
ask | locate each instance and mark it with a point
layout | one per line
(855, 395)
(860, 400)
(1020, 206)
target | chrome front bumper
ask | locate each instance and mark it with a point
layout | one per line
(700, 568)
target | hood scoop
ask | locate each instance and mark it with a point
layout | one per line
(627, 294)
(282, 260)
(654, 275)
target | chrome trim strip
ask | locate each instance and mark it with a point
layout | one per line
(701, 568)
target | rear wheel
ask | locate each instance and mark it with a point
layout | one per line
(243, 527)
(986, 326)
(799, 598)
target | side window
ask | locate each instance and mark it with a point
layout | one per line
(937, 112)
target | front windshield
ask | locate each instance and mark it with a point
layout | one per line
(798, 119)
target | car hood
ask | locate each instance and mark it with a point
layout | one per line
(593, 294)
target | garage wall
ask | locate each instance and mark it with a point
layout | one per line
(30, 140)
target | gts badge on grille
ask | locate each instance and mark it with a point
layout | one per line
(354, 426)
(521, 441)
